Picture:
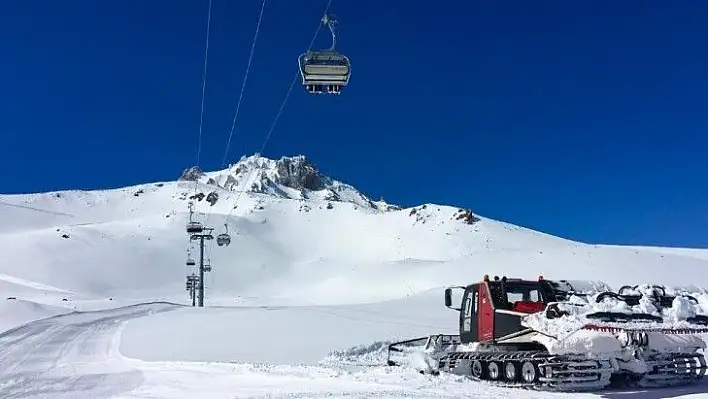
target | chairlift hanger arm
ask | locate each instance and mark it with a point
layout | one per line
(331, 22)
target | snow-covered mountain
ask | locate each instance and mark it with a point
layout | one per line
(297, 236)
(320, 273)
(289, 177)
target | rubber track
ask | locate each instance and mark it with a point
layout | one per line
(568, 372)
(594, 374)
(674, 369)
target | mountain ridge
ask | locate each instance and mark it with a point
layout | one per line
(293, 177)
(291, 242)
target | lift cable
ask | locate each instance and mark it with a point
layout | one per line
(243, 85)
(277, 117)
(204, 75)
(240, 99)
(201, 112)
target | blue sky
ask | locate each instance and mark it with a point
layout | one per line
(582, 119)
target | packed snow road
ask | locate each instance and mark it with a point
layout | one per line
(70, 356)
(77, 356)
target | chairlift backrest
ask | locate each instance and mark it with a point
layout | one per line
(223, 239)
(194, 227)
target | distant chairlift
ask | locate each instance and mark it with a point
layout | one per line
(325, 69)
(194, 227)
(224, 239)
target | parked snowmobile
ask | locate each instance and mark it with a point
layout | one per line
(546, 335)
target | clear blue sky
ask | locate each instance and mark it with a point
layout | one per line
(585, 119)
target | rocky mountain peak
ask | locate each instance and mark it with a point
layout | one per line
(294, 177)
(191, 174)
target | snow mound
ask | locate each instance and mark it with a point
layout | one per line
(374, 353)
(16, 312)
(593, 343)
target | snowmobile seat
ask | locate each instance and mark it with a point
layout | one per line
(528, 306)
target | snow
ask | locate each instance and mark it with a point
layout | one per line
(302, 303)
(283, 334)
(171, 380)
(578, 309)
(602, 344)
(586, 342)
(14, 313)
(289, 177)
(699, 253)
(674, 343)
(70, 356)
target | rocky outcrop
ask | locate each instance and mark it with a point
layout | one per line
(293, 177)
(191, 174)
(299, 173)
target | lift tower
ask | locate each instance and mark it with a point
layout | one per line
(201, 233)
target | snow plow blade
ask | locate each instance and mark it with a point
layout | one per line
(428, 349)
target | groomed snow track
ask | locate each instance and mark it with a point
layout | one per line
(70, 356)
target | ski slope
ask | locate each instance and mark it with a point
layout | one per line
(79, 356)
(317, 277)
(131, 352)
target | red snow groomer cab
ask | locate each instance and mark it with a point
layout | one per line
(552, 335)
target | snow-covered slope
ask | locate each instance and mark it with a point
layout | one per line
(313, 264)
(324, 249)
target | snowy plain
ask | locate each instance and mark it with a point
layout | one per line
(299, 305)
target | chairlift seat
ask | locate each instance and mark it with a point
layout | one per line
(194, 227)
(223, 239)
(324, 68)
